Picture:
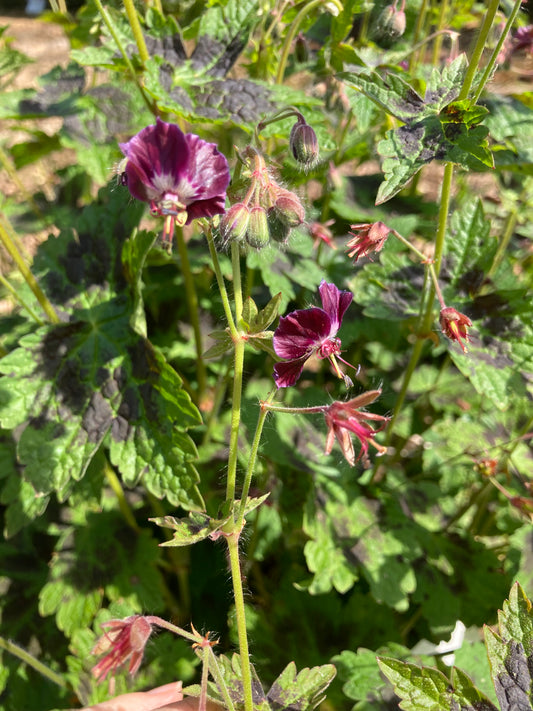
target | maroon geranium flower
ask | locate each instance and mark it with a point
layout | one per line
(367, 238)
(455, 325)
(126, 639)
(310, 331)
(180, 175)
(344, 420)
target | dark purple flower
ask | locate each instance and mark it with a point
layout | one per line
(180, 175)
(308, 331)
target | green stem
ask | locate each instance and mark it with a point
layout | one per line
(28, 276)
(121, 49)
(18, 298)
(253, 456)
(438, 39)
(492, 61)
(292, 34)
(231, 481)
(240, 616)
(192, 304)
(8, 166)
(510, 224)
(219, 680)
(416, 34)
(237, 286)
(135, 25)
(478, 50)
(27, 658)
(221, 284)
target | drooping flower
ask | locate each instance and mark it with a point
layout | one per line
(367, 238)
(320, 232)
(310, 331)
(180, 175)
(344, 419)
(454, 324)
(304, 143)
(126, 639)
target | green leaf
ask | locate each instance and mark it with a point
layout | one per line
(301, 691)
(223, 344)
(199, 526)
(470, 247)
(511, 652)
(422, 688)
(93, 380)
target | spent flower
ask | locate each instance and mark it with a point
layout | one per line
(367, 238)
(454, 324)
(180, 175)
(345, 419)
(306, 332)
(123, 640)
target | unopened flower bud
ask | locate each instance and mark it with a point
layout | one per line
(278, 229)
(454, 324)
(390, 24)
(289, 208)
(257, 234)
(304, 143)
(234, 223)
(301, 49)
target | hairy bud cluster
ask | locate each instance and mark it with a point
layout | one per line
(266, 213)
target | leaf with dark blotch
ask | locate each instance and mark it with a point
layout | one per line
(391, 93)
(72, 387)
(511, 653)
(301, 691)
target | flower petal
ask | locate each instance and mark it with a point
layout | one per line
(287, 372)
(334, 302)
(207, 171)
(158, 157)
(299, 333)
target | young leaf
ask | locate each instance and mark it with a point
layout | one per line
(301, 691)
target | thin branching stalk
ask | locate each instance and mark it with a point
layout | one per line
(122, 50)
(27, 658)
(23, 268)
(478, 50)
(135, 25)
(10, 169)
(123, 505)
(18, 298)
(295, 26)
(221, 284)
(437, 45)
(494, 56)
(240, 617)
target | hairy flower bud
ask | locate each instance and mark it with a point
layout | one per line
(301, 50)
(234, 223)
(278, 229)
(257, 234)
(289, 208)
(304, 143)
(390, 24)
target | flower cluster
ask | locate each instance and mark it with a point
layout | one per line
(180, 175)
(267, 211)
(308, 332)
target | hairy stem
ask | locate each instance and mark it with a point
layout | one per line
(135, 25)
(240, 616)
(23, 268)
(27, 658)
